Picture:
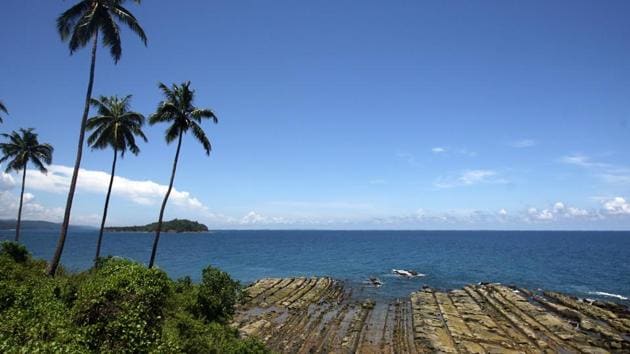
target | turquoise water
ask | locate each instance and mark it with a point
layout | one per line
(580, 263)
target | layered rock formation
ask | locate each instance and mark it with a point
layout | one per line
(318, 315)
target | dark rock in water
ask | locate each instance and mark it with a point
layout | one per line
(302, 315)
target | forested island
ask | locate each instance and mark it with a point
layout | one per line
(175, 225)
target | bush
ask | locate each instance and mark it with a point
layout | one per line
(16, 251)
(120, 307)
(188, 334)
(217, 295)
(33, 318)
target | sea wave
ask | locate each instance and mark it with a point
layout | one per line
(601, 293)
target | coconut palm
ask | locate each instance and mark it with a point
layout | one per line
(22, 148)
(79, 25)
(3, 108)
(114, 127)
(178, 110)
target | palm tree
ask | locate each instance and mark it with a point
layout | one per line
(115, 126)
(178, 110)
(79, 25)
(3, 108)
(22, 148)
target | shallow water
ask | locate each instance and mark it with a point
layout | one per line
(587, 264)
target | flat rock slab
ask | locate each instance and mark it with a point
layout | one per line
(319, 315)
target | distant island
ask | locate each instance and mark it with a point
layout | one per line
(175, 225)
(9, 224)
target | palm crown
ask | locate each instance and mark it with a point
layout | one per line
(115, 126)
(23, 147)
(84, 20)
(178, 109)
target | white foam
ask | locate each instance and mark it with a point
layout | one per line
(601, 293)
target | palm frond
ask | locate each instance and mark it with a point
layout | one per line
(124, 16)
(69, 18)
(111, 36)
(85, 29)
(199, 114)
(38, 163)
(178, 109)
(117, 129)
(172, 133)
(23, 146)
(200, 135)
(83, 21)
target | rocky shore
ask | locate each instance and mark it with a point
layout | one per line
(314, 315)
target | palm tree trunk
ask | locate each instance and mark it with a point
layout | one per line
(54, 262)
(168, 192)
(109, 192)
(19, 219)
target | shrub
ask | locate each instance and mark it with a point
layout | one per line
(33, 318)
(188, 334)
(120, 306)
(16, 251)
(217, 295)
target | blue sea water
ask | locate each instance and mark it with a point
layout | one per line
(579, 263)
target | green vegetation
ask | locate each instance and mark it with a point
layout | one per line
(22, 148)
(79, 25)
(175, 225)
(115, 126)
(179, 111)
(119, 306)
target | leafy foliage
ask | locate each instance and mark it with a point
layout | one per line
(120, 306)
(24, 147)
(217, 295)
(16, 251)
(83, 21)
(179, 111)
(115, 126)
(34, 318)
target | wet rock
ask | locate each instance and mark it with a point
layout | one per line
(319, 315)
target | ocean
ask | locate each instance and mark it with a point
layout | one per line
(588, 264)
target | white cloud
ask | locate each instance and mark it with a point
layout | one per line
(6, 181)
(617, 205)
(140, 192)
(608, 173)
(558, 211)
(476, 176)
(523, 143)
(31, 210)
(452, 151)
(558, 207)
(254, 218)
(576, 212)
(503, 212)
(470, 177)
(580, 160)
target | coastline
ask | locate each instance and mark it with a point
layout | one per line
(321, 315)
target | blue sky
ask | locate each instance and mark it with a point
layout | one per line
(345, 114)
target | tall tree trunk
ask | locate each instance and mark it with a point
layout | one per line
(168, 192)
(19, 219)
(54, 262)
(109, 192)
